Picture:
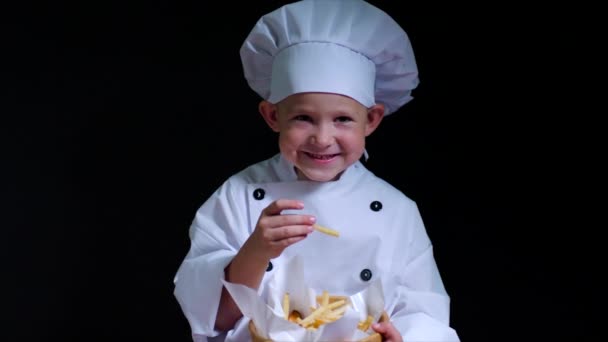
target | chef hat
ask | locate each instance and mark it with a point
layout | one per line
(347, 47)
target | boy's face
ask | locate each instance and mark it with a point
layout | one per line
(320, 133)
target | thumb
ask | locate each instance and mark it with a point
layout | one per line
(380, 327)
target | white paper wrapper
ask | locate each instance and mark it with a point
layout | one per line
(269, 320)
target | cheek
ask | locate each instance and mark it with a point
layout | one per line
(287, 145)
(355, 141)
(292, 138)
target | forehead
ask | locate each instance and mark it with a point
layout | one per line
(321, 102)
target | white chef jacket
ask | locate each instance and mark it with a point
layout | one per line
(381, 236)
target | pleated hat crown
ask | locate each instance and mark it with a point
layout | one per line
(347, 47)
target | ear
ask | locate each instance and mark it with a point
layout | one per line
(270, 114)
(375, 114)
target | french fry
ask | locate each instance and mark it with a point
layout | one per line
(325, 298)
(286, 305)
(295, 317)
(308, 320)
(324, 312)
(331, 299)
(364, 325)
(328, 309)
(326, 230)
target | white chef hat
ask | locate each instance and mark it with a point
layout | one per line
(346, 47)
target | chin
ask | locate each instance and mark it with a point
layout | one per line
(323, 177)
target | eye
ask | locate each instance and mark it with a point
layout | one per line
(302, 117)
(344, 119)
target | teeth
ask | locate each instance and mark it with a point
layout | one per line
(320, 156)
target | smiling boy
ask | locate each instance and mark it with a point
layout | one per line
(327, 72)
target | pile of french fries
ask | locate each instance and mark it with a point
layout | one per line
(329, 309)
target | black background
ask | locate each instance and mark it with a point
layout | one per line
(120, 118)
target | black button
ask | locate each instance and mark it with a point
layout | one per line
(258, 194)
(366, 275)
(376, 206)
(269, 268)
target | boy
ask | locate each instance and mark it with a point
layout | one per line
(328, 72)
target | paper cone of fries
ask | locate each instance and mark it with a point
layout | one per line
(374, 337)
(288, 310)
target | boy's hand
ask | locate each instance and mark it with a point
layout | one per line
(388, 331)
(275, 232)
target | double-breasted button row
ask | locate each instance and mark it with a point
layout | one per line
(259, 194)
(365, 275)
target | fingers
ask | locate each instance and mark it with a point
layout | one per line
(291, 240)
(388, 331)
(287, 220)
(379, 328)
(283, 235)
(278, 227)
(277, 206)
(276, 231)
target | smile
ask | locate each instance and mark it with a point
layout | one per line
(322, 157)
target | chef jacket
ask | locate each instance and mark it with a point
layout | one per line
(381, 236)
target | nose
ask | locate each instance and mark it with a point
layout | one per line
(322, 136)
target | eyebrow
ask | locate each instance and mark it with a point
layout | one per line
(306, 109)
(298, 108)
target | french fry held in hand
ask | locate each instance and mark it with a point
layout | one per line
(328, 309)
(326, 230)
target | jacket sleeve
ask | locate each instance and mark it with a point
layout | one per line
(218, 230)
(419, 306)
